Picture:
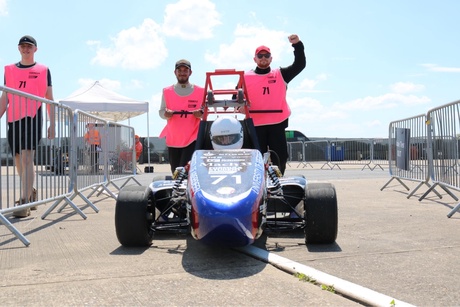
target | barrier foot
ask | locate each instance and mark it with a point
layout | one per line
(453, 211)
(375, 166)
(88, 202)
(304, 164)
(338, 166)
(95, 190)
(13, 230)
(124, 184)
(415, 190)
(428, 191)
(67, 202)
(116, 186)
(399, 180)
(449, 192)
(103, 188)
(131, 178)
(419, 185)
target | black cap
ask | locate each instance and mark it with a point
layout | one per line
(183, 62)
(27, 39)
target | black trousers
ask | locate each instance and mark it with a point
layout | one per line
(25, 133)
(94, 158)
(274, 138)
(180, 156)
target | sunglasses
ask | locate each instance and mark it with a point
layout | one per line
(266, 55)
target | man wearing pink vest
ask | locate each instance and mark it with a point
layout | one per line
(267, 95)
(181, 107)
(24, 116)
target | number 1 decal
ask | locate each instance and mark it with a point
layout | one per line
(237, 179)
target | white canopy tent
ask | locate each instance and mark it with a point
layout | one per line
(106, 104)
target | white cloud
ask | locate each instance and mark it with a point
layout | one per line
(155, 102)
(386, 101)
(240, 52)
(135, 48)
(406, 87)
(373, 123)
(309, 112)
(137, 84)
(3, 8)
(304, 105)
(191, 19)
(309, 85)
(436, 68)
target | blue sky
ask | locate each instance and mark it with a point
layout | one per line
(368, 62)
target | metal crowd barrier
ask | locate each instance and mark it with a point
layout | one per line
(96, 164)
(443, 137)
(84, 162)
(379, 154)
(48, 163)
(296, 153)
(120, 157)
(368, 153)
(408, 152)
(65, 166)
(315, 150)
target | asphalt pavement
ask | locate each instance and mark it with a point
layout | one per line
(403, 248)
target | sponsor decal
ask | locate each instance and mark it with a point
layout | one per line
(194, 183)
(213, 160)
(224, 169)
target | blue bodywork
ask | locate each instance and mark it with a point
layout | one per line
(226, 190)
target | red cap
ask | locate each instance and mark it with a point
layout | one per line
(262, 48)
(136, 136)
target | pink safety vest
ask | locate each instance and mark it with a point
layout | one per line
(182, 130)
(32, 80)
(267, 92)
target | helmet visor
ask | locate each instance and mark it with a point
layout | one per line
(225, 140)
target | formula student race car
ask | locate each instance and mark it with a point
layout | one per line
(227, 197)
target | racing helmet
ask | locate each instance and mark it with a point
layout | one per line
(226, 133)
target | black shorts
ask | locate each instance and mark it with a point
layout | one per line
(25, 133)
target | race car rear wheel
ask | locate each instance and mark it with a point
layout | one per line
(134, 216)
(321, 216)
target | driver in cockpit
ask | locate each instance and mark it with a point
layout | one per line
(226, 133)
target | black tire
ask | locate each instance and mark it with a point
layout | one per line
(134, 217)
(321, 213)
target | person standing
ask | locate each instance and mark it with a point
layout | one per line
(127, 155)
(181, 107)
(24, 116)
(93, 141)
(266, 89)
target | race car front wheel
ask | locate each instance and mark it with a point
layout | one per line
(321, 216)
(134, 216)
